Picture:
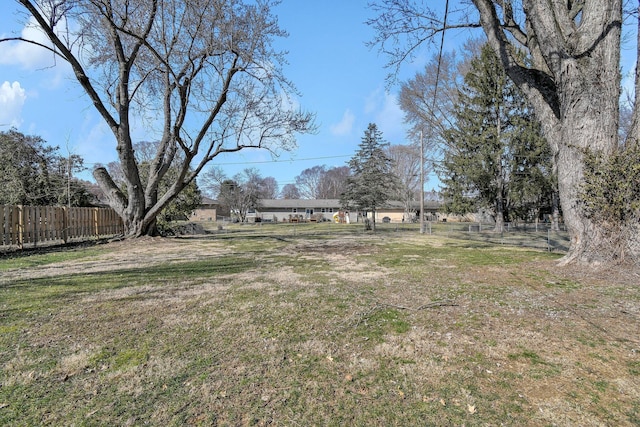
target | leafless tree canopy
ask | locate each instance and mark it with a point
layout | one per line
(203, 75)
(406, 166)
(320, 182)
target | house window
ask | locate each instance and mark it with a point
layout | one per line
(294, 210)
(323, 210)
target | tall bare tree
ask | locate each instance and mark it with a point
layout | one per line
(322, 182)
(241, 193)
(427, 112)
(269, 188)
(571, 77)
(290, 191)
(203, 72)
(309, 182)
(406, 166)
(334, 181)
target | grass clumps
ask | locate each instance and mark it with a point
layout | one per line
(334, 329)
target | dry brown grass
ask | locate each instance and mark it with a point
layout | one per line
(392, 329)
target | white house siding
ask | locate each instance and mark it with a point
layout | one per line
(284, 210)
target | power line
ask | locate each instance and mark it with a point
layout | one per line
(444, 28)
(280, 161)
(266, 161)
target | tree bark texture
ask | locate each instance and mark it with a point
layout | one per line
(573, 84)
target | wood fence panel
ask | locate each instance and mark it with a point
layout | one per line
(26, 225)
(59, 224)
(74, 223)
(20, 225)
(6, 229)
(15, 225)
(85, 228)
(9, 225)
(70, 213)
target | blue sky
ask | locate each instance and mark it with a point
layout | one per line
(340, 79)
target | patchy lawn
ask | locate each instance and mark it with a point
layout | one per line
(329, 328)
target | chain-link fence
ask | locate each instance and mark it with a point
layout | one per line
(539, 236)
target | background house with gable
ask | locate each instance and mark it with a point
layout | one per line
(315, 210)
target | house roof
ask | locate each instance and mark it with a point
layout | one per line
(298, 203)
(265, 204)
(332, 203)
(208, 201)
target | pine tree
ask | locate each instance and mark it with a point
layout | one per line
(372, 182)
(495, 149)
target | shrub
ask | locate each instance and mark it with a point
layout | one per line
(610, 197)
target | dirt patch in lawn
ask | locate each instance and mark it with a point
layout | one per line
(339, 330)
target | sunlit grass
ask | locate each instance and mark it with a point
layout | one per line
(312, 326)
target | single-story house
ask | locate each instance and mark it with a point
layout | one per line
(288, 210)
(295, 210)
(207, 211)
(395, 212)
(316, 210)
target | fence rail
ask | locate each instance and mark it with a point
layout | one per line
(46, 225)
(530, 235)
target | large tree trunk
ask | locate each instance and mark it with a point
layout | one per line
(131, 210)
(574, 85)
(588, 85)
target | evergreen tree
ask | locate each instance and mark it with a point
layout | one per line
(372, 182)
(495, 157)
(33, 173)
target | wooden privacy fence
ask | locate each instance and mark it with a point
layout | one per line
(22, 225)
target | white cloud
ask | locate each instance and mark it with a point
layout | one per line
(95, 142)
(345, 125)
(373, 101)
(390, 119)
(28, 55)
(385, 112)
(12, 98)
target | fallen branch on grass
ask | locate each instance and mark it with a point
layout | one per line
(443, 303)
(378, 306)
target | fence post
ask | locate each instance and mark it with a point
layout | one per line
(65, 224)
(95, 222)
(35, 224)
(21, 226)
(5, 224)
(15, 227)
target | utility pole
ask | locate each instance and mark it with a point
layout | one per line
(422, 228)
(69, 178)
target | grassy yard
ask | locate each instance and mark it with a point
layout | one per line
(315, 325)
